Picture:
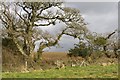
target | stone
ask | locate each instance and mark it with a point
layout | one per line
(104, 64)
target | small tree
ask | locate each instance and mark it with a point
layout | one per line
(103, 42)
(80, 50)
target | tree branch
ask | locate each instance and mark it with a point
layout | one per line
(24, 8)
(57, 17)
(42, 24)
(110, 35)
(21, 17)
(19, 47)
(3, 21)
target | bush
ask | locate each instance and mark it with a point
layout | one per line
(80, 50)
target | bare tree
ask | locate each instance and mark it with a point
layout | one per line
(107, 38)
(113, 43)
(103, 42)
(22, 20)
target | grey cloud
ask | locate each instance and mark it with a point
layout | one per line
(102, 23)
(98, 7)
(101, 16)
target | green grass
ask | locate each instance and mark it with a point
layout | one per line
(93, 71)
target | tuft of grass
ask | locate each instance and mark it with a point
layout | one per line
(92, 71)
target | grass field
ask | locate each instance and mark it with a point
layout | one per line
(92, 71)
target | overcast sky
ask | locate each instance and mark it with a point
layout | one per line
(101, 16)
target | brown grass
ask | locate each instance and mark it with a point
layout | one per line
(54, 56)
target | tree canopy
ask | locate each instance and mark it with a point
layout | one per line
(22, 21)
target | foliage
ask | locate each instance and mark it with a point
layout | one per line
(80, 50)
(100, 41)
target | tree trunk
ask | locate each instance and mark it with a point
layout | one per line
(104, 48)
(19, 47)
(26, 64)
(115, 52)
(21, 50)
(40, 51)
(39, 54)
(107, 55)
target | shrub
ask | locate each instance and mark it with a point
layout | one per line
(80, 50)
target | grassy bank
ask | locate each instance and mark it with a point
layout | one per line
(93, 71)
